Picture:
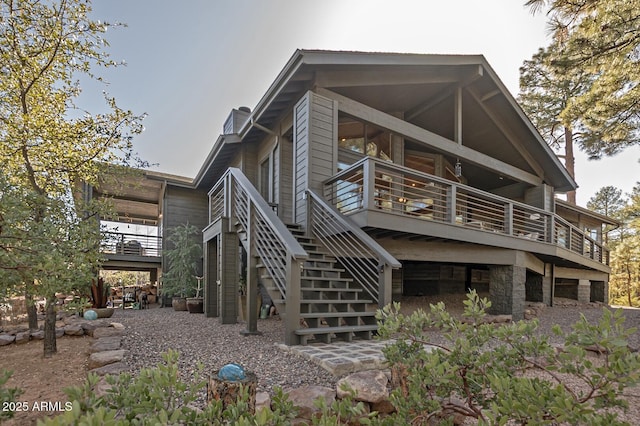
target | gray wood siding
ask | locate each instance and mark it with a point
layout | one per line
(301, 147)
(285, 198)
(540, 196)
(315, 128)
(181, 205)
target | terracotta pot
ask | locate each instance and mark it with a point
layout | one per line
(179, 303)
(195, 305)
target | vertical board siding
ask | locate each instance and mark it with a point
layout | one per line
(182, 205)
(285, 198)
(314, 145)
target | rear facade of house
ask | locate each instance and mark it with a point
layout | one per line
(362, 177)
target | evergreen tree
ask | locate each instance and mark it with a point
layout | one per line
(609, 202)
(601, 38)
(545, 92)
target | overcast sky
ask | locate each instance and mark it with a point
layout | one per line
(190, 62)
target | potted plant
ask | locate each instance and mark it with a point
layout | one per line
(182, 257)
(100, 297)
(195, 305)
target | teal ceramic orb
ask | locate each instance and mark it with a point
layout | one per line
(232, 373)
(90, 315)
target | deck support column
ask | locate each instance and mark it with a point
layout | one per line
(584, 291)
(229, 252)
(547, 285)
(211, 301)
(507, 290)
(252, 297)
(385, 286)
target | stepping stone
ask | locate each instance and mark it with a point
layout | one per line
(100, 359)
(106, 332)
(110, 343)
(115, 369)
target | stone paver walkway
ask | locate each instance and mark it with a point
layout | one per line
(340, 358)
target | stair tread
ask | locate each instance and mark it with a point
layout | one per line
(336, 289)
(341, 329)
(337, 279)
(336, 314)
(336, 301)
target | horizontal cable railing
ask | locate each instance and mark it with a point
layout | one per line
(357, 252)
(375, 184)
(131, 244)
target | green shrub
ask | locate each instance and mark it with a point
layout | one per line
(484, 370)
(7, 395)
(159, 396)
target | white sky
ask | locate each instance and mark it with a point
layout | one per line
(190, 62)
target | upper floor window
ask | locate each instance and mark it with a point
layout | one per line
(363, 138)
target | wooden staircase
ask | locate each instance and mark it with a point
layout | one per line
(332, 306)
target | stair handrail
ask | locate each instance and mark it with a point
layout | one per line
(385, 260)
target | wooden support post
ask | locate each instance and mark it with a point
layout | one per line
(229, 246)
(385, 285)
(292, 316)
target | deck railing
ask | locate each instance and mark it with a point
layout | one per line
(131, 244)
(373, 184)
(234, 196)
(362, 257)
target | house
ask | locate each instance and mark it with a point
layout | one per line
(360, 177)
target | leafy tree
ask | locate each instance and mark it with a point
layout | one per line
(49, 146)
(545, 91)
(600, 38)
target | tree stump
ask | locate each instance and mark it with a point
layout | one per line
(229, 392)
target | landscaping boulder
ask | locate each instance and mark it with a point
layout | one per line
(59, 332)
(109, 343)
(263, 400)
(23, 337)
(304, 398)
(369, 386)
(37, 335)
(73, 330)
(106, 332)
(100, 359)
(6, 339)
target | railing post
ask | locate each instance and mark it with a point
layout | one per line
(385, 285)
(368, 184)
(292, 301)
(452, 193)
(228, 192)
(508, 219)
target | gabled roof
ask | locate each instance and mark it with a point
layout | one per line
(385, 80)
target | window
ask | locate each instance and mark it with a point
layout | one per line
(265, 180)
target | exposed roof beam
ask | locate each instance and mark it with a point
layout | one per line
(437, 142)
(379, 77)
(508, 134)
(464, 81)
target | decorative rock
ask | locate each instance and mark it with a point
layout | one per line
(110, 343)
(114, 368)
(74, 330)
(369, 386)
(263, 400)
(6, 339)
(304, 398)
(23, 337)
(100, 359)
(107, 331)
(89, 327)
(117, 326)
(90, 315)
(38, 335)
(59, 332)
(232, 373)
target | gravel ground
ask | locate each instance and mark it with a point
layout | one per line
(153, 331)
(198, 339)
